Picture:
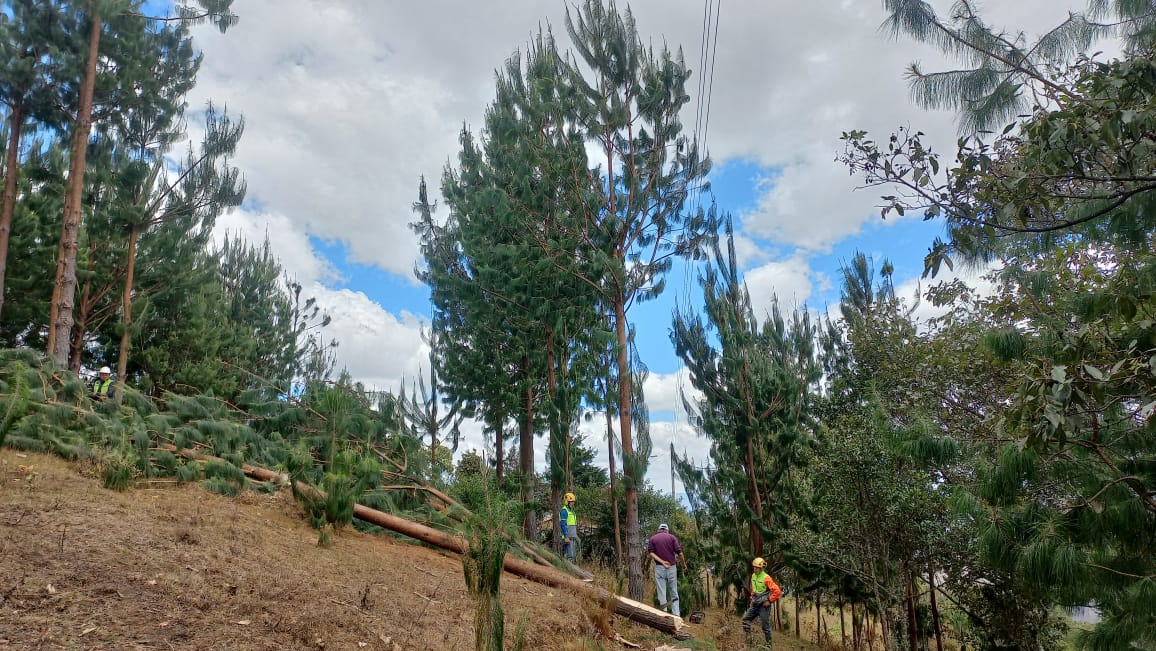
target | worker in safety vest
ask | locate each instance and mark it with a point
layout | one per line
(764, 592)
(569, 521)
(102, 386)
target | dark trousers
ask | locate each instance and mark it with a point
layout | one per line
(760, 609)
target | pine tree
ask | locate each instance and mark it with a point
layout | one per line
(628, 108)
(34, 231)
(758, 383)
(29, 33)
(198, 191)
(129, 46)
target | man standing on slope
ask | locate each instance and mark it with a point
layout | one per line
(569, 520)
(102, 385)
(764, 592)
(666, 552)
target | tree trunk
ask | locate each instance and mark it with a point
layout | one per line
(818, 617)
(613, 489)
(756, 533)
(555, 434)
(912, 629)
(76, 344)
(855, 629)
(526, 452)
(11, 176)
(634, 578)
(798, 630)
(64, 289)
(499, 426)
(564, 410)
(126, 311)
(842, 625)
(885, 632)
(935, 612)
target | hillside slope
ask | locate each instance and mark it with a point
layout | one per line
(170, 566)
(173, 566)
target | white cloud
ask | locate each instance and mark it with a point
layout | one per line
(662, 391)
(662, 434)
(291, 246)
(791, 280)
(348, 102)
(378, 348)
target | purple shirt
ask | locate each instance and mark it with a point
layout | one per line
(665, 546)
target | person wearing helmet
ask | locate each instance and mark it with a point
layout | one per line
(102, 385)
(764, 592)
(569, 520)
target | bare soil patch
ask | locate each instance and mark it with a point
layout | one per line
(168, 566)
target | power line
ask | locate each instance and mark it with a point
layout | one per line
(708, 51)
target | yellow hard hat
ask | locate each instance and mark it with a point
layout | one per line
(759, 562)
(569, 498)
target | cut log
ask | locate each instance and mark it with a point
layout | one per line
(551, 576)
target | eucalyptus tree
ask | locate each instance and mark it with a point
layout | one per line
(1062, 198)
(628, 99)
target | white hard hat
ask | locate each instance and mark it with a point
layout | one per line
(663, 527)
(105, 369)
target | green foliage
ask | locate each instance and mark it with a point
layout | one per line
(55, 416)
(482, 566)
(758, 382)
(118, 472)
(1062, 197)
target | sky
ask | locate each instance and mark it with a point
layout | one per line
(347, 103)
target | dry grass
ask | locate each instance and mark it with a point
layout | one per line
(177, 567)
(169, 566)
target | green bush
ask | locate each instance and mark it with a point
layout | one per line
(118, 472)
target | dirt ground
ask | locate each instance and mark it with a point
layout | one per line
(177, 567)
(168, 566)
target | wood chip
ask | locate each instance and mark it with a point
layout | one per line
(51, 590)
(88, 630)
(243, 622)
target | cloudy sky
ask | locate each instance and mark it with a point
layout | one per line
(348, 102)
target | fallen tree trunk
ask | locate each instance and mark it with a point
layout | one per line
(546, 575)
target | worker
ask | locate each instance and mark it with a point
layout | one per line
(569, 520)
(102, 386)
(764, 592)
(664, 548)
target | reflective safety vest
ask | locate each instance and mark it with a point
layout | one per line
(101, 388)
(759, 586)
(571, 520)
